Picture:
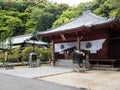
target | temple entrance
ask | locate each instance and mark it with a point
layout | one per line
(115, 44)
(115, 49)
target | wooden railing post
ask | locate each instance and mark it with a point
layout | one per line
(53, 53)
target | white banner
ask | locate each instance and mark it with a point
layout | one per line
(63, 46)
(93, 45)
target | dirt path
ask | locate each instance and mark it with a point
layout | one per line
(93, 80)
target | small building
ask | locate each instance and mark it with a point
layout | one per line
(97, 35)
(22, 40)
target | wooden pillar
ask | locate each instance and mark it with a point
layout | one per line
(78, 43)
(53, 53)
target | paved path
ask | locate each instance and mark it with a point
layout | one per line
(36, 72)
(8, 82)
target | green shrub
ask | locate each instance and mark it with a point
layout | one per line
(26, 52)
(23, 55)
(14, 55)
(45, 55)
(11, 58)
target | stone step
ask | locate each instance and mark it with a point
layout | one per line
(65, 63)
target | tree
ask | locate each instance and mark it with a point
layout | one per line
(15, 25)
(106, 8)
(2, 40)
(69, 14)
(63, 7)
(6, 41)
(96, 4)
(60, 21)
(30, 26)
(45, 22)
(64, 18)
(118, 14)
(24, 16)
(9, 44)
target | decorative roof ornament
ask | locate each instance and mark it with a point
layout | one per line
(48, 29)
(87, 7)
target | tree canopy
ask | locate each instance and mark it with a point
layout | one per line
(26, 16)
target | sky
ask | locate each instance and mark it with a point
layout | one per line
(70, 2)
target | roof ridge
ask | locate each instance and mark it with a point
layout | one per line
(85, 12)
(66, 22)
(22, 35)
(85, 19)
(97, 16)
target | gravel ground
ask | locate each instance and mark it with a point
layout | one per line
(93, 80)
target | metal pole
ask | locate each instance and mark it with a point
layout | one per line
(33, 46)
(78, 43)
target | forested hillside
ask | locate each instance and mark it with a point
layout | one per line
(25, 16)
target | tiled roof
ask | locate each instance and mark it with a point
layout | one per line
(20, 39)
(87, 19)
(16, 40)
(37, 42)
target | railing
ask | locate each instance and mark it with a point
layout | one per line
(99, 62)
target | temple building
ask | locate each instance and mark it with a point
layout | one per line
(99, 37)
(22, 40)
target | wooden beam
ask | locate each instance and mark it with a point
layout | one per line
(78, 41)
(72, 39)
(63, 36)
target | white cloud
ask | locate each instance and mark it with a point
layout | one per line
(70, 2)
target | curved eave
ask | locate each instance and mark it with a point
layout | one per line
(61, 32)
(87, 19)
(78, 29)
